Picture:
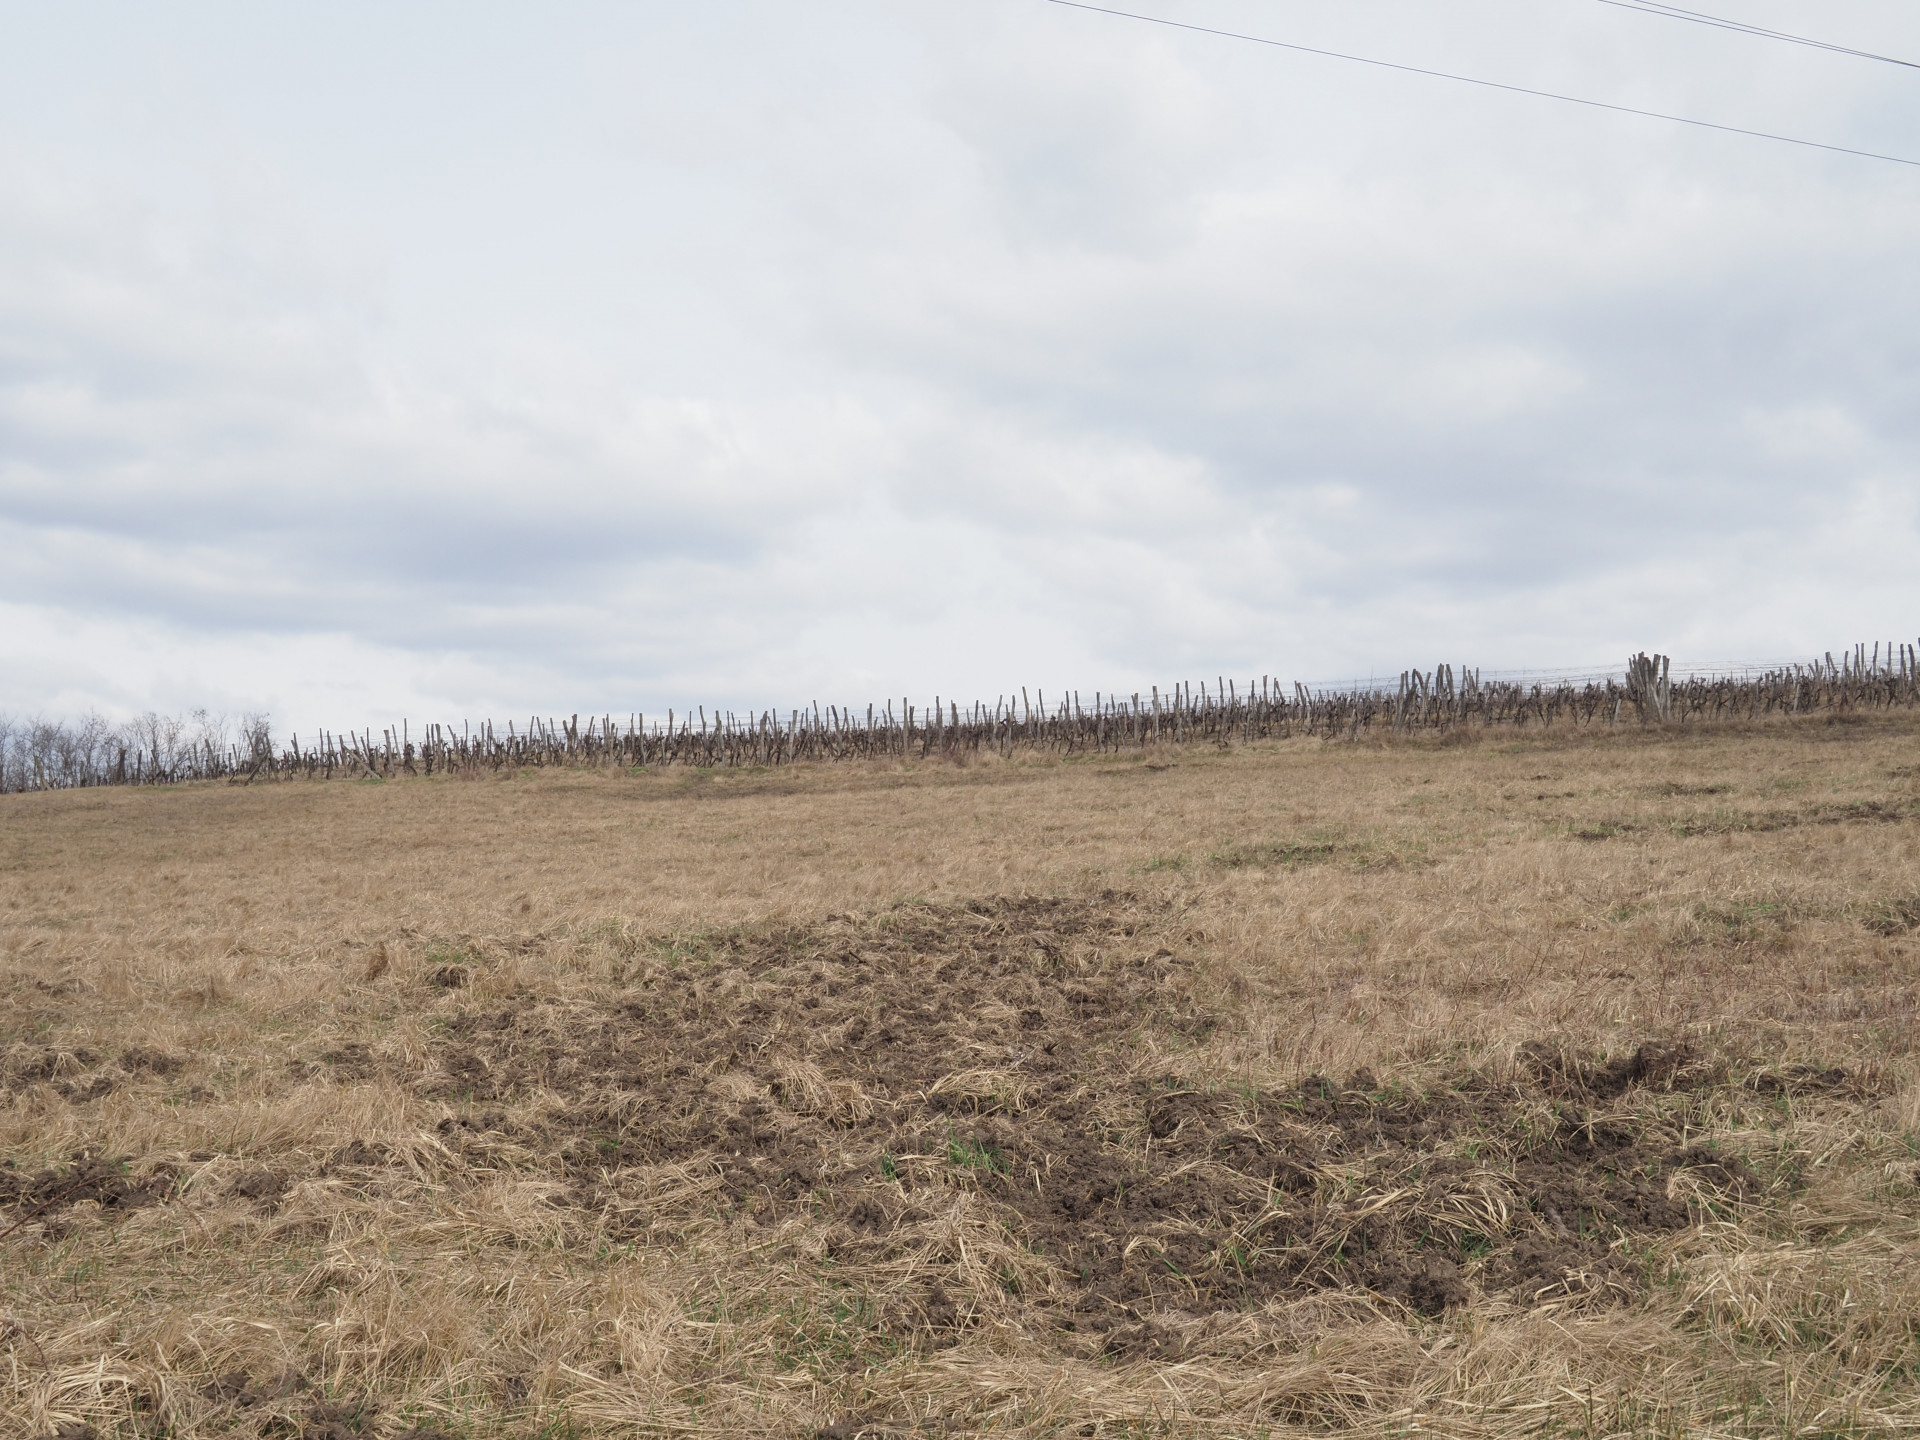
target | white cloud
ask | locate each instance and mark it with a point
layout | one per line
(612, 358)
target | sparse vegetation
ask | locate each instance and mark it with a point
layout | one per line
(1302, 852)
(917, 1098)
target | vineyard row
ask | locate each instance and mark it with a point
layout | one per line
(159, 750)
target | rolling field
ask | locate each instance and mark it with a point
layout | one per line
(1521, 1084)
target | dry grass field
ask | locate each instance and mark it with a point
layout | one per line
(1520, 1084)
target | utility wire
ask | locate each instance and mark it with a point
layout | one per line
(1741, 27)
(1487, 84)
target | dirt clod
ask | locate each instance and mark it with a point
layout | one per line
(1802, 1080)
(264, 1187)
(103, 1180)
(338, 1420)
(64, 1069)
(141, 1059)
(1653, 1065)
(238, 1387)
(351, 1061)
(1430, 1284)
(857, 1426)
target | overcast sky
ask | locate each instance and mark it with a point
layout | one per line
(453, 360)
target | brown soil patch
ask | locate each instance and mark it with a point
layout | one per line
(70, 1071)
(77, 1073)
(263, 1187)
(104, 1180)
(861, 1071)
(286, 1405)
(1561, 1071)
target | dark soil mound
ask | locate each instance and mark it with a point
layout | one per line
(103, 1179)
(850, 1068)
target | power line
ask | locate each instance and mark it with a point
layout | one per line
(1487, 84)
(1741, 27)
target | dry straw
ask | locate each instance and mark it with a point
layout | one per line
(1551, 1081)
